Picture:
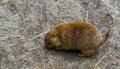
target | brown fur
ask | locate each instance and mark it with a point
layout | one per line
(77, 35)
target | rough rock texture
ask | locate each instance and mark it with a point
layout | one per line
(22, 21)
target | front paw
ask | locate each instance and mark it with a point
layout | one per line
(58, 48)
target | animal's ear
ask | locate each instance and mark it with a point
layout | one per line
(56, 41)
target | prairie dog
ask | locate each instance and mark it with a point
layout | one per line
(77, 35)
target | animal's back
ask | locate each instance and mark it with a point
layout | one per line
(78, 35)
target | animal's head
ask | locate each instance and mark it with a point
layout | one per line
(52, 40)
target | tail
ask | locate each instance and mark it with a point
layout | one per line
(104, 40)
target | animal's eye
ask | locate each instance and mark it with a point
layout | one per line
(48, 42)
(53, 36)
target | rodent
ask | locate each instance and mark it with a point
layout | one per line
(77, 35)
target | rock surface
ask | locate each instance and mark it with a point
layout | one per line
(22, 21)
